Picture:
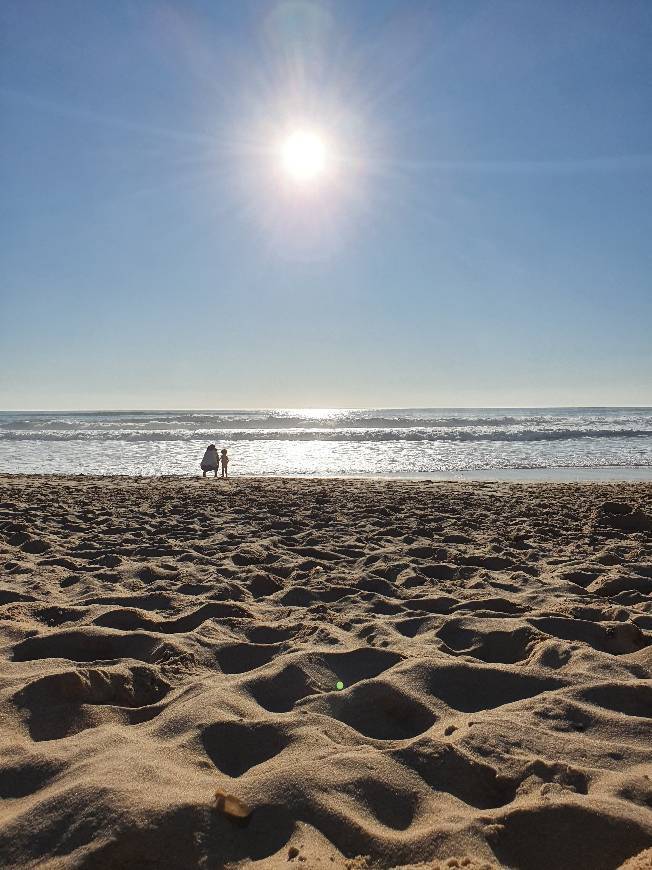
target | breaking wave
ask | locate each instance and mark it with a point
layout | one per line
(331, 441)
(304, 434)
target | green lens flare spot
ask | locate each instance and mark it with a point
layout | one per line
(339, 684)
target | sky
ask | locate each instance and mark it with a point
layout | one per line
(479, 234)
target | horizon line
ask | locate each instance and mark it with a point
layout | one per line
(320, 408)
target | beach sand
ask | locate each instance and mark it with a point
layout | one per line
(369, 673)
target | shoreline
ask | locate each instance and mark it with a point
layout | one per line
(604, 474)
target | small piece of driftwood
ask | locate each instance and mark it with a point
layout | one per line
(231, 806)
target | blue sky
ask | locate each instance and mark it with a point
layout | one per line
(482, 236)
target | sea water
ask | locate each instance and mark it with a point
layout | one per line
(549, 443)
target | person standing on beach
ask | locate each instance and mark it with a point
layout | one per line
(211, 460)
(225, 464)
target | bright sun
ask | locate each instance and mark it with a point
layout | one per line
(303, 156)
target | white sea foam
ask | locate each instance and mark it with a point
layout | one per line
(292, 441)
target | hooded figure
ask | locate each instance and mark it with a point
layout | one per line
(211, 460)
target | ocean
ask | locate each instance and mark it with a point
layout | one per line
(532, 443)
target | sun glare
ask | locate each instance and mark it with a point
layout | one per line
(303, 156)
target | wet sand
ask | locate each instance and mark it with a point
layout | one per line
(380, 673)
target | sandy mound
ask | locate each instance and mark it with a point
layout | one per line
(369, 674)
(642, 861)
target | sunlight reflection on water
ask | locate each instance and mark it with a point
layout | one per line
(326, 441)
(313, 458)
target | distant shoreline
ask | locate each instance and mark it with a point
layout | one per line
(612, 474)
